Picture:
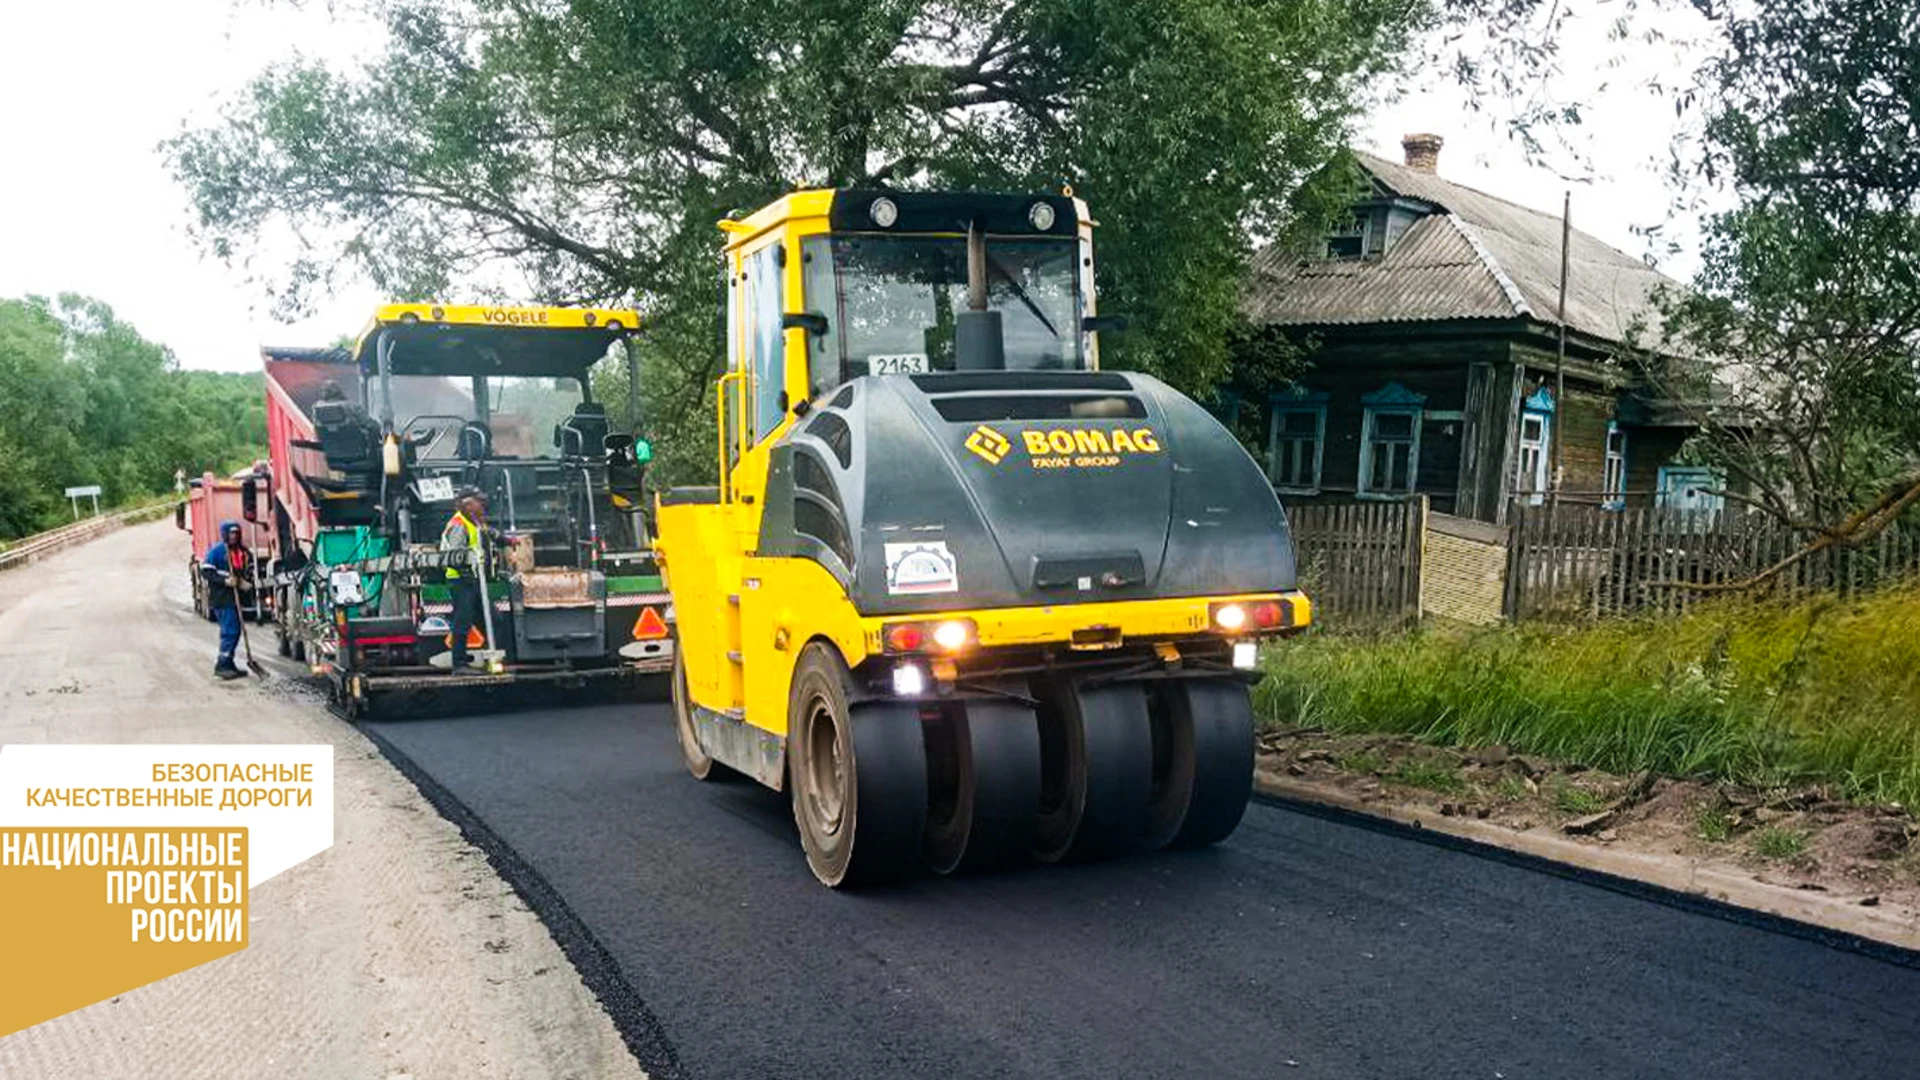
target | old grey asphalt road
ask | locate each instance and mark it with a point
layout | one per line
(396, 953)
(1300, 948)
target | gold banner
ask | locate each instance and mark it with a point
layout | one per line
(87, 913)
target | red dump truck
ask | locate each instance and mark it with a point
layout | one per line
(211, 500)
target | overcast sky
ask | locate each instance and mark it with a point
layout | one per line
(92, 86)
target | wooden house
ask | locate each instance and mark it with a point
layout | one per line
(1432, 338)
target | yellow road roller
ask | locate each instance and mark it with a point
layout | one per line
(967, 598)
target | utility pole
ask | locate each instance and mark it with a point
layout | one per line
(1560, 363)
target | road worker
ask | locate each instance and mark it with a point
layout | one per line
(468, 530)
(227, 566)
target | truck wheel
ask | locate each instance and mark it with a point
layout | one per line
(699, 762)
(858, 774)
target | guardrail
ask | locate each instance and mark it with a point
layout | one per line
(32, 548)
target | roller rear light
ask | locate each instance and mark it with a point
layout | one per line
(1246, 616)
(935, 636)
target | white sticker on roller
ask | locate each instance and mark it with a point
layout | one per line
(921, 567)
(435, 488)
(898, 364)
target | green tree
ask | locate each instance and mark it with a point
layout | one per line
(38, 408)
(587, 148)
(1805, 319)
(85, 399)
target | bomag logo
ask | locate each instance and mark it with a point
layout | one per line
(1087, 448)
(989, 444)
(1066, 448)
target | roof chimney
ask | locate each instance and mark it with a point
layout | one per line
(1423, 152)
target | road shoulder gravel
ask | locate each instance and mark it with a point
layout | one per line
(397, 953)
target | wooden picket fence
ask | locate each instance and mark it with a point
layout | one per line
(1381, 565)
(1360, 561)
(1584, 561)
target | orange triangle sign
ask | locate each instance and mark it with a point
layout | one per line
(649, 625)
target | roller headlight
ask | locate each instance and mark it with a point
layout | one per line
(1040, 216)
(952, 635)
(1230, 617)
(884, 212)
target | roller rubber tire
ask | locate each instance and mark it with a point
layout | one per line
(1097, 754)
(988, 819)
(1221, 714)
(858, 773)
(1173, 765)
(699, 762)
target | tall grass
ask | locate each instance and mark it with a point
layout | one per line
(1755, 692)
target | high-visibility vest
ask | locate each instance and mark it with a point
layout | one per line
(473, 539)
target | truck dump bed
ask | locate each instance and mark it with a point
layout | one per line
(296, 378)
(211, 500)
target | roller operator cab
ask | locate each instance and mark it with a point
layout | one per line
(969, 598)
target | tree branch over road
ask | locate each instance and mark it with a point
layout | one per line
(587, 148)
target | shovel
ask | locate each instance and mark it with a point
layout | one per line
(252, 664)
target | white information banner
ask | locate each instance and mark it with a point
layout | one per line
(282, 793)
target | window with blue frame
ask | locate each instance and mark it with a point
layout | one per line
(1349, 239)
(1536, 433)
(1694, 488)
(1296, 440)
(1390, 441)
(1616, 471)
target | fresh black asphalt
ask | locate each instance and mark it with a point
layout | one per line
(1302, 947)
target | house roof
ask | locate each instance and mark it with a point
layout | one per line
(1475, 257)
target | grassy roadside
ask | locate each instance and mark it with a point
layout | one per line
(1757, 693)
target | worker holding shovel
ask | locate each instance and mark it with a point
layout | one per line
(468, 531)
(227, 564)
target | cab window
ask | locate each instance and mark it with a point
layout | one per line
(890, 303)
(765, 341)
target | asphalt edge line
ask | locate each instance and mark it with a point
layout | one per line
(1330, 806)
(643, 1033)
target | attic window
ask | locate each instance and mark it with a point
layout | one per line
(1348, 241)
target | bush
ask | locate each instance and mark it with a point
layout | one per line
(1755, 692)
